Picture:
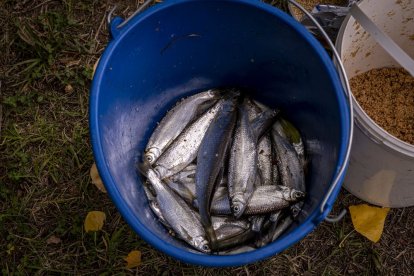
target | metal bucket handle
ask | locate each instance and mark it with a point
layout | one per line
(347, 88)
(114, 25)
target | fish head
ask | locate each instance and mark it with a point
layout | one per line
(201, 244)
(156, 208)
(152, 154)
(296, 195)
(238, 205)
(160, 171)
(295, 210)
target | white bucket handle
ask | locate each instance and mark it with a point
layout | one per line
(347, 88)
(383, 39)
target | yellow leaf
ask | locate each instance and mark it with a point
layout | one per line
(133, 259)
(94, 221)
(369, 220)
(96, 179)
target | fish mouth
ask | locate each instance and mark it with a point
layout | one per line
(295, 211)
(238, 209)
(152, 154)
(202, 244)
(297, 195)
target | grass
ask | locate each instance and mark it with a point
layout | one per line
(48, 52)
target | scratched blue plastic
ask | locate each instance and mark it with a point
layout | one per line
(178, 48)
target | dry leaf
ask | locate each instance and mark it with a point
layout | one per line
(68, 88)
(53, 240)
(369, 220)
(94, 66)
(133, 259)
(96, 179)
(94, 221)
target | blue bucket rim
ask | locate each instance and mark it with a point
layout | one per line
(140, 228)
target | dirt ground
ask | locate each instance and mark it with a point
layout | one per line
(48, 49)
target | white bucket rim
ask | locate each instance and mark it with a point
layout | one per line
(375, 132)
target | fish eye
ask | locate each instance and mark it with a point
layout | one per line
(236, 208)
(205, 247)
(149, 158)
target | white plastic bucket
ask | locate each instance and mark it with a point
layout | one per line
(381, 169)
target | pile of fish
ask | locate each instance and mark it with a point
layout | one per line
(225, 173)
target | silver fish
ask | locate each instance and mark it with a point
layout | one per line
(275, 216)
(261, 106)
(185, 190)
(243, 163)
(210, 159)
(258, 220)
(290, 170)
(238, 250)
(264, 199)
(235, 240)
(219, 222)
(226, 227)
(185, 147)
(182, 219)
(284, 224)
(157, 211)
(176, 120)
(252, 110)
(275, 172)
(276, 229)
(265, 160)
(287, 130)
(257, 223)
(262, 122)
(267, 199)
(227, 231)
(187, 175)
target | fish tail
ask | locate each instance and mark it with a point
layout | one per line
(211, 235)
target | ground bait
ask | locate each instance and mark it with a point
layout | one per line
(387, 96)
(310, 4)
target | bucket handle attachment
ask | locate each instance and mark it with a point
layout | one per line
(344, 79)
(116, 23)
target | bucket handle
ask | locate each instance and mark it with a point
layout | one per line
(324, 207)
(115, 24)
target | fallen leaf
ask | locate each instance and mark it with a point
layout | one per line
(368, 220)
(96, 179)
(53, 240)
(133, 259)
(68, 88)
(94, 221)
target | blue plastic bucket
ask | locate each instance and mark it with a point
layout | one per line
(179, 48)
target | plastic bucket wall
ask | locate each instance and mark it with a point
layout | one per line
(178, 48)
(381, 169)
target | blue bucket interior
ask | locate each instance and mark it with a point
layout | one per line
(179, 48)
